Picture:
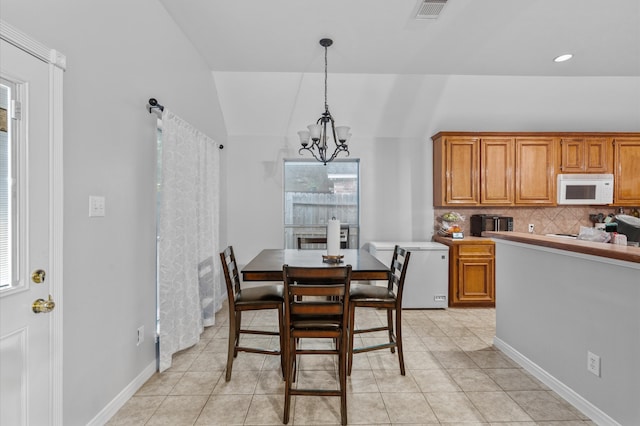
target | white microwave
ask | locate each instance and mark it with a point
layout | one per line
(585, 189)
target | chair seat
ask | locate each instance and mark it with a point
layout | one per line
(371, 292)
(267, 293)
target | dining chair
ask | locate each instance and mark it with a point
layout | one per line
(388, 298)
(316, 307)
(270, 296)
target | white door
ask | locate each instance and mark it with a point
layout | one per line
(30, 358)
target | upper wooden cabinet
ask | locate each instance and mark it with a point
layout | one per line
(469, 170)
(521, 168)
(496, 170)
(626, 171)
(535, 170)
(586, 154)
(456, 171)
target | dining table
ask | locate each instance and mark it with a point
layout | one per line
(267, 265)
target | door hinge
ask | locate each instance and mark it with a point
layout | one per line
(16, 110)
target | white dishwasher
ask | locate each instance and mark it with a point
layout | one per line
(427, 281)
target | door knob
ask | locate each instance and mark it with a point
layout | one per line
(38, 276)
(42, 306)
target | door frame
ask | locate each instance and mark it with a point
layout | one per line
(57, 65)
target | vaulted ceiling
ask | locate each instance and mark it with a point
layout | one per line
(265, 55)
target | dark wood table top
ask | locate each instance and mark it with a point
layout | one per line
(267, 265)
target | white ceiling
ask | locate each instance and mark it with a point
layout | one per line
(477, 37)
(265, 55)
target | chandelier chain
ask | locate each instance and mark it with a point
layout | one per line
(326, 105)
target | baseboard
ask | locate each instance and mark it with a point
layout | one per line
(575, 399)
(116, 404)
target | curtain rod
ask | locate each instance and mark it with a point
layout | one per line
(154, 105)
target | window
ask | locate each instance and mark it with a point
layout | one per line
(314, 193)
(8, 221)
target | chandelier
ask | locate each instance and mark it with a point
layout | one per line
(321, 131)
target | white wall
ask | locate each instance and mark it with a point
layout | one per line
(396, 171)
(119, 54)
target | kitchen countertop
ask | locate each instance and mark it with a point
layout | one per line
(612, 251)
(453, 241)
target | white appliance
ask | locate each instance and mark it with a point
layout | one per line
(427, 281)
(585, 188)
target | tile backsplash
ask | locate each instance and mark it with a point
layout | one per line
(547, 220)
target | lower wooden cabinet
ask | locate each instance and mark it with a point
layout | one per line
(471, 271)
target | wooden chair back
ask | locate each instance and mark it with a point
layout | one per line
(398, 271)
(231, 274)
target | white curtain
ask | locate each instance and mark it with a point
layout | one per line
(189, 279)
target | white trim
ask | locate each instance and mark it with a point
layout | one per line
(575, 399)
(57, 65)
(33, 47)
(118, 402)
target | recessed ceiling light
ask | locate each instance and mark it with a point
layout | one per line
(563, 58)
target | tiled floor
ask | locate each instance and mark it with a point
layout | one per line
(454, 377)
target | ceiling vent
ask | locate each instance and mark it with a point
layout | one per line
(430, 9)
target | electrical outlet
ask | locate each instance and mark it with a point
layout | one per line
(531, 228)
(140, 335)
(593, 363)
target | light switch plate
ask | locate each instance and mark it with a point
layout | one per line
(96, 206)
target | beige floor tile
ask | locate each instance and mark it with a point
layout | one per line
(455, 376)
(454, 359)
(408, 408)
(514, 379)
(451, 407)
(362, 381)
(497, 406)
(316, 410)
(542, 405)
(270, 382)
(266, 410)
(471, 343)
(383, 360)
(367, 408)
(491, 359)
(217, 344)
(160, 384)
(420, 361)
(210, 361)
(178, 411)
(437, 380)
(316, 379)
(440, 343)
(196, 383)
(136, 411)
(242, 382)
(470, 379)
(225, 410)
(392, 381)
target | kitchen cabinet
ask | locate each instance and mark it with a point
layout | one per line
(535, 170)
(521, 168)
(626, 171)
(470, 171)
(496, 171)
(586, 154)
(456, 164)
(471, 271)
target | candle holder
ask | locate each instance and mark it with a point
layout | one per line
(328, 258)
